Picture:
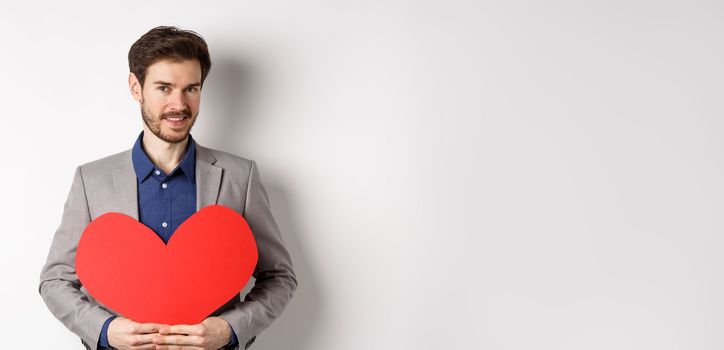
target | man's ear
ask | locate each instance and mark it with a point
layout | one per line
(135, 87)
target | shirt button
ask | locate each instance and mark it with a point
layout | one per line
(157, 172)
(164, 224)
(164, 185)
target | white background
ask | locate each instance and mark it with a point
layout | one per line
(447, 175)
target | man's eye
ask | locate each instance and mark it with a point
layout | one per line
(163, 88)
(192, 89)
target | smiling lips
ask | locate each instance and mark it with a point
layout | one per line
(176, 122)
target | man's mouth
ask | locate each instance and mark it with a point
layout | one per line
(176, 122)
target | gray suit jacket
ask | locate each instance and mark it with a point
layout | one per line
(109, 185)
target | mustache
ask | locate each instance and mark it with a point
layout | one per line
(184, 113)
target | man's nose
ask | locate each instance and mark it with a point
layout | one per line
(177, 101)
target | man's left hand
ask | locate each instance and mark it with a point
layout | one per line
(211, 334)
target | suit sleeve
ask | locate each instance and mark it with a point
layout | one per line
(59, 284)
(274, 274)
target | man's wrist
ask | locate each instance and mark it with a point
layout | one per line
(233, 340)
(103, 339)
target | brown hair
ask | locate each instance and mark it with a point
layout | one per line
(166, 42)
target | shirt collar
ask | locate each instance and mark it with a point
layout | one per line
(143, 165)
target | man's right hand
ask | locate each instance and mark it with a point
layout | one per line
(124, 334)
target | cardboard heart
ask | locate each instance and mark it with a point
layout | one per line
(126, 266)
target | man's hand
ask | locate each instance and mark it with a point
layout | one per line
(124, 334)
(211, 334)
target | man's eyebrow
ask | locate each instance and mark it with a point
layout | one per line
(165, 83)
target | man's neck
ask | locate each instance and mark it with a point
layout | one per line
(166, 156)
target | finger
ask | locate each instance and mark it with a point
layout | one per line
(142, 339)
(179, 340)
(196, 329)
(177, 347)
(149, 327)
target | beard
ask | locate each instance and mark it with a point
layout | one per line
(154, 124)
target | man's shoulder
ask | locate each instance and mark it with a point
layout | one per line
(108, 163)
(224, 159)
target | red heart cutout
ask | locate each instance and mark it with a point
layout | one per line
(126, 266)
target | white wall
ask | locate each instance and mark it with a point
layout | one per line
(448, 175)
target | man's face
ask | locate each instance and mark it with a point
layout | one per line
(170, 98)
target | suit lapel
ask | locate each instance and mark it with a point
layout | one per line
(124, 182)
(208, 182)
(208, 178)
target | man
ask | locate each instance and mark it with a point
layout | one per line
(161, 181)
